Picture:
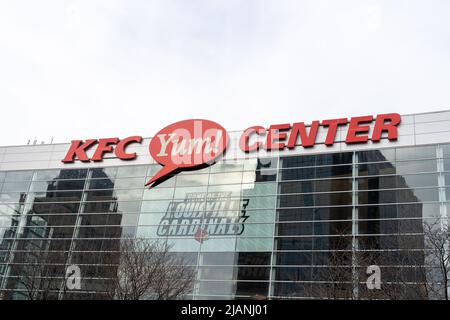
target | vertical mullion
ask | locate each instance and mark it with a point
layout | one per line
(355, 280)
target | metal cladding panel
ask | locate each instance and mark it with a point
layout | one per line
(431, 117)
(415, 129)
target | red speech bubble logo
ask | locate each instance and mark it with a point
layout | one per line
(187, 144)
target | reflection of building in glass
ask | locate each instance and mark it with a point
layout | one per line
(43, 239)
(296, 226)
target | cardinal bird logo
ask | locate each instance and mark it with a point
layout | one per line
(201, 235)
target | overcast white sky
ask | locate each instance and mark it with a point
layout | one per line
(93, 69)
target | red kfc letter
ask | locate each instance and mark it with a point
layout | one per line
(120, 149)
(355, 128)
(103, 147)
(245, 137)
(381, 126)
(78, 149)
(332, 125)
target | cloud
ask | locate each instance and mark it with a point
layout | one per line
(86, 69)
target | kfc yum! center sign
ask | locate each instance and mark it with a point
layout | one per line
(197, 143)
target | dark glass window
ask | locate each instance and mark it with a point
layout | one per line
(292, 229)
(391, 242)
(296, 200)
(376, 169)
(297, 174)
(294, 243)
(72, 174)
(377, 212)
(252, 288)
(294, 258)
(109, 173)
(333, 228)
(335, 171)
(292, 289)
(318, 199)
(333, 213)
(296, 187)
(338, 242)
(334, 158)
(329, 199)
(332, 257)
(253, 273)
(101, 184)
(296, 162)
(254, 258)
(332, 185)
(316, 160)
(266, 175)
(331, 273)
(373, 183)
(373, 197)
(303, 214)
(309, 186)
(390, 226)
(293, 274)
(376, 155)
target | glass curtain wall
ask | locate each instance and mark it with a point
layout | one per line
(290, 227)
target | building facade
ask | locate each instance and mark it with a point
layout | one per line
(297, 223)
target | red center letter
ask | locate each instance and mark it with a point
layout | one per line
(243, 141)
(355, 128)
(332, 125)
(307, 140)
(390, 127)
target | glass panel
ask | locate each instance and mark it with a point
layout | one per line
(446, 150)
(225, 178)
(227, 166)
(390, 226)
(44, 175)
(15, 176)
(184, 180)
(294, 258)
(15, 186)
(295, 214)
(72, 174)
(259, 189)
(317, 160)
(316, 172)
(423, 152)
(159, 193)
(376, 155)
(101, 184)
(376, 169)
(334, 158)
(416, 166)
(318, 199)
(104, 172)
(131, 171)
(129, 183)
